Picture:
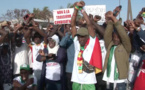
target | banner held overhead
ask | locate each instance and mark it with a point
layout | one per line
(63, 16)
(96, 10)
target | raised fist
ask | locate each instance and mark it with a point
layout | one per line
(75, 4)
(81, 4)
(109, 15)
(91, 16)
(138, 22)
(97, 18)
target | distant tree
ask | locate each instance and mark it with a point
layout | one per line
(37, 11)
(44, 14)
(19, 13)
(69, 5)
(15, 14)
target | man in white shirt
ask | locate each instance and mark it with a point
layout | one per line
(21, 54)
(87, 53)
(38, 38)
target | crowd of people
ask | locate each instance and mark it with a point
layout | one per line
(82, 55)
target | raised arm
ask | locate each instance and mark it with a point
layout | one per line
(122, 33)
(66, 41)
(41, 33)
(86, 17)
(53, 31)
(17, 27)
(73, 20)
(108, 34)
(109, 30)
(60, 33)
(99, 28)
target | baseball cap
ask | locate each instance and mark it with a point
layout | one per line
(25, 67)
(82, 31)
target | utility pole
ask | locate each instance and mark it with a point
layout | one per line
(129, 12)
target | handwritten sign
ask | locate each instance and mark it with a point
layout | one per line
(96, 10)
(63, 16)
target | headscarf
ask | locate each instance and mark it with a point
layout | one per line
(56, 47)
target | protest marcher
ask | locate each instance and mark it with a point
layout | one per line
(5, 57)
(37, 44)
(118, 45)
(67, 43)
(99, 29)
(25, 81)
(140, 79)
(84, 68)
(138, 56)
(21, 54)
(70, 52)
(134, 30)
(141, 15)
(52, 57)
(3, 35)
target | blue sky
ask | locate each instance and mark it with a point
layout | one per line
(55, 4)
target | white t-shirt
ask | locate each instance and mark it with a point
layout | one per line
(53, 71)
(103, 51)
(35, 52)
(111, 78)
(83, 78)
(22, 82)
(21, 57)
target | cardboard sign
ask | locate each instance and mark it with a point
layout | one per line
(63, 16)
(96, 10)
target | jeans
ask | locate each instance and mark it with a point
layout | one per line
(119, 86)
(69, 83)
(100, 85)
(53, 85)
(37, 74)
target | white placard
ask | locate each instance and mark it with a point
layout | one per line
(96, 10)
(63, 16)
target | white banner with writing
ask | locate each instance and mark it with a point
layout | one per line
(96, 10)
(63, 16)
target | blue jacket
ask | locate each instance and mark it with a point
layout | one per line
(141, 34)
(67, 43)
(137, 42)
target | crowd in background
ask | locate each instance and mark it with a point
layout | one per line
(82, 55)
